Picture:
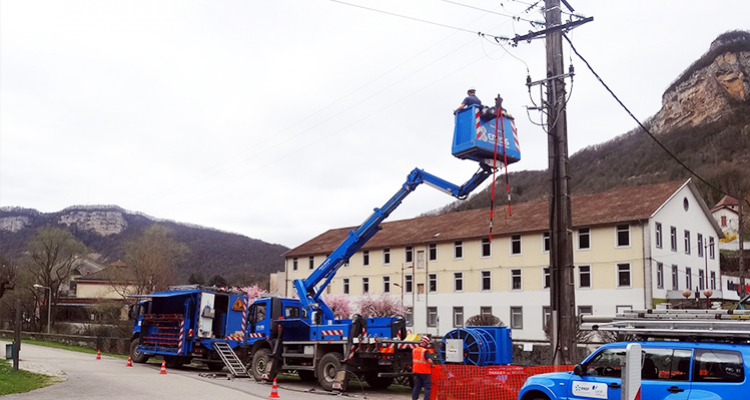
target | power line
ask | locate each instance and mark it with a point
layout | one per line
(638, 121)
(479, 33)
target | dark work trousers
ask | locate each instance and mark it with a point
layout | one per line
(419, 381)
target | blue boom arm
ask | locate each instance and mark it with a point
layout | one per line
(310, 289)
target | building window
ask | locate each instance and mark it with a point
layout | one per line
(294, 264)
(585, 310)
(516, 317)
(687, 241)
(713, 280)
(700, 245)
(701, 279)
(675, 278)
(673, 237)
(346, 286)
(365, 258)
(458, 281)
(386, 256)
(409, 317)
(486, 281)
(545, 242)
(546, 278)
(432, 284)
(408, 255)
(623, 235)
(584, 239)
(486, 248)
(660, 275)
(311, 262)
(711, 250)
(546, 316)
(458, 317)
(584, 276)
(723, 220)
(365, 285)
(515, 244)
(689, 278)
(386, 284)
(658, 235)
(623, 275)
(485, 311)
(515, 279)
(408, 284)
(458, 250)
(432, 249)
(432, 316)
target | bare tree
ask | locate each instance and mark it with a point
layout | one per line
(52, 252)
(7, 276)
(150, 260)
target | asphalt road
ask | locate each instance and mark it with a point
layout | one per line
(86, 378)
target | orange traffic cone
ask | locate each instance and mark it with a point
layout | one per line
(99, 354)
(274, 390)
(130, 362)
(163, 368)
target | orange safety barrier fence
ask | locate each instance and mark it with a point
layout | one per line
(469, 382)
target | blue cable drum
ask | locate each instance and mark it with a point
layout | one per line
(479, 346)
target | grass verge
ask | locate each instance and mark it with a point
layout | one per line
(21, 381)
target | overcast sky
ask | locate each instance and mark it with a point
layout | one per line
(282, 119)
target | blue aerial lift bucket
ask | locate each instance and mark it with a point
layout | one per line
(474, 136)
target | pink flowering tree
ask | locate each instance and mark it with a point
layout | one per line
(339, 304)
(382, 305)
(253, 292)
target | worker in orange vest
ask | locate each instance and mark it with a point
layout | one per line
(422, 366)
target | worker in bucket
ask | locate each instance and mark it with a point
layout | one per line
(422, 366)
(470, 99)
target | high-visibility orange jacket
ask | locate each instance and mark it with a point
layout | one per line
(419, 363)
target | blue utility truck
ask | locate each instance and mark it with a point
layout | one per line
(272, 334)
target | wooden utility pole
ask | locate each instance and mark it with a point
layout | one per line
(564, 324)
(562, 290)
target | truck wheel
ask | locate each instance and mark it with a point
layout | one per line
(306, 375)
(259, 366)
(377, 382)
(135, 355)
(328, 367)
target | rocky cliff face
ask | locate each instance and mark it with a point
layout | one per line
(102, 222)
(716, 83)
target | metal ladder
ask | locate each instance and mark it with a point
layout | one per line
(230, 359)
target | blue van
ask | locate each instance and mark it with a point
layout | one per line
(671, 370)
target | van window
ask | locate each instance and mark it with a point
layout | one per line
(718, 366)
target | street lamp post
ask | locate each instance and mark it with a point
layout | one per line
(49, 303)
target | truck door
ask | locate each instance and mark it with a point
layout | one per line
(258, 323)
(206, 316)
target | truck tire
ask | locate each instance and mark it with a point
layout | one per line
(377, 382)
(259, 366)
(135, 355)
(328, 367)
(306, 375)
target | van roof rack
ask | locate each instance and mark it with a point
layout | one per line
(695, 325)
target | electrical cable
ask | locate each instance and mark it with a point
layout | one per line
(638, 121)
